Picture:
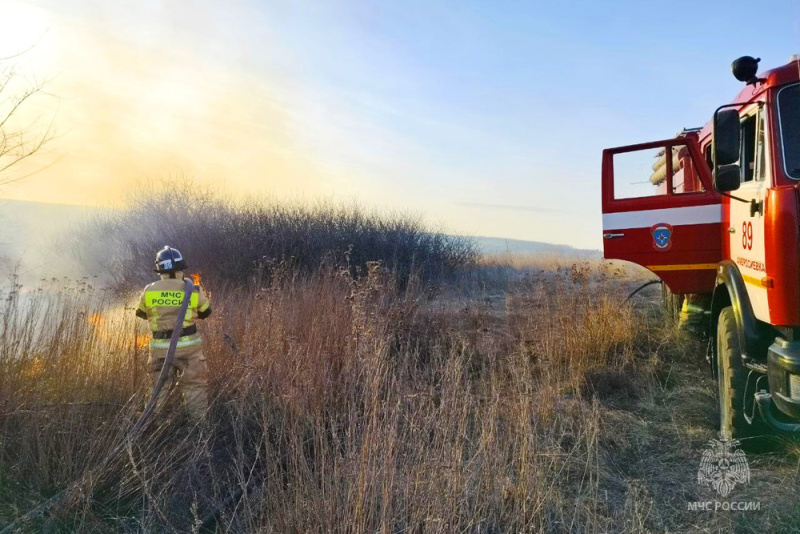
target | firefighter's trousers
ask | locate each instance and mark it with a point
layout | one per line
(692, 316)
(188, 369)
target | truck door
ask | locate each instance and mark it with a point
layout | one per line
(661, 211)
(746, 223)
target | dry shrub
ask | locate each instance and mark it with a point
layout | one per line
(236, 241)
(340, 404)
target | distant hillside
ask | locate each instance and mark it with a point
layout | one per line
(501, 245)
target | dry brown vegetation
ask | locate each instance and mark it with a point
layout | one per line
(519, 400)
(237, 240)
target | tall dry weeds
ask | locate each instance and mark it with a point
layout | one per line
(340, 405)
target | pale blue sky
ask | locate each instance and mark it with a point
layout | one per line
(489, 117)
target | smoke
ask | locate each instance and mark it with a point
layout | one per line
(35, 242)
(141, 101)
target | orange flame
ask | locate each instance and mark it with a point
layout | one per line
(35, 368)
(197, 278)
(141, 342)
(96, 320)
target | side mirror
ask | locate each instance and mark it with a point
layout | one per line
(727, 178)
(727, 131)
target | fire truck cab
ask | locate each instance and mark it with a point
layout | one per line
(715, 213)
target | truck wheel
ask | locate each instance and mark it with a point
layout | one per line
(732, 378)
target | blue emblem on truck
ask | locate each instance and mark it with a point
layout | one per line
(662, 236)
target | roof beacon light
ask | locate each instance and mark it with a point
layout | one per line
(745, 69)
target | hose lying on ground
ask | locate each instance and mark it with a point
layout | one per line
(133, 432)
(650, 283)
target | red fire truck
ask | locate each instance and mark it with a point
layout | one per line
(715, 213)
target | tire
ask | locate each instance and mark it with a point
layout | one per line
(732, 380)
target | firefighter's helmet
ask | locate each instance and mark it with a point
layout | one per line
(169, 260)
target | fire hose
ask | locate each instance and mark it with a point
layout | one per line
(134, 430)
(650, 283)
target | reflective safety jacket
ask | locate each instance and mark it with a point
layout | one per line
(161, 300)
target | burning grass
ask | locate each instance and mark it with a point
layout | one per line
(538, 403)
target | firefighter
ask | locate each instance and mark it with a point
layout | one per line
(159, 305)
(693, 313)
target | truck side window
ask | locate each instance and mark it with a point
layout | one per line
(761, 148)
(789, 125)
(636, 174)
(747, 156)
(648, 173)
(685, 178)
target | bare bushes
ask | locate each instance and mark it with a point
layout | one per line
(233, 242)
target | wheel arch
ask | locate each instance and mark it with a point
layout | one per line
(729, 290)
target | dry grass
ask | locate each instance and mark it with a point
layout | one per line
(538, 402)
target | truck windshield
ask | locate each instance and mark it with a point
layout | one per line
(789, 111)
